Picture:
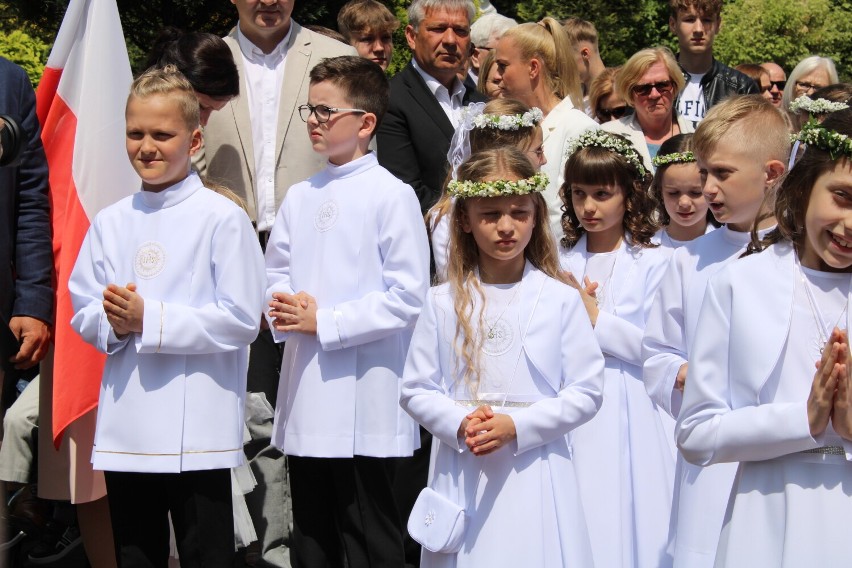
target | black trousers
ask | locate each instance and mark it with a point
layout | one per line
(343, 508)
(201, 510)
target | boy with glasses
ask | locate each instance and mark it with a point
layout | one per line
(696, 23)
(348, 269)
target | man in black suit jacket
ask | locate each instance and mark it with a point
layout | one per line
(26, 252)
(415, 134)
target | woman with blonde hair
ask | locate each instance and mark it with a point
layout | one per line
(650, 82)
(534, 67)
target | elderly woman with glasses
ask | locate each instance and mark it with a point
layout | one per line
(650, 82)
(810, 74)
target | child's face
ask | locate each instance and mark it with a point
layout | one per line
(340, 138)
(207, 104)
(377, 46)
(599, 208)
(828, 221)
(501, 226)
(682, 196)
(159, 143)
(695, 32)
(734, 181)
(535, 149)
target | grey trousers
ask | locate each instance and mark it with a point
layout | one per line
(20, 432)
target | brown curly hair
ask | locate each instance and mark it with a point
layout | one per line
(600, 166)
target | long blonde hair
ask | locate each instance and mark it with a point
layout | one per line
(510, 163)
(548, 42)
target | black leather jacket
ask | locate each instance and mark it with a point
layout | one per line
(722, 81)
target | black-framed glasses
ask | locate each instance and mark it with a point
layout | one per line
(613, 113)
(663, 87)
(322, 112)
(778, 84)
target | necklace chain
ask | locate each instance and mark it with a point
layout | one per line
(817, 315)
(490, 334)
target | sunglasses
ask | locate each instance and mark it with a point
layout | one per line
(663, 87)
(611, 113)
(778, 84)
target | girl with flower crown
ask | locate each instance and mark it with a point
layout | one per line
(503, 366)
(769, 374)
(681, 208)
(624, 457)
(501, 122)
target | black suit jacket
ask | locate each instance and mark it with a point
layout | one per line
(414, 136)
(26, 252)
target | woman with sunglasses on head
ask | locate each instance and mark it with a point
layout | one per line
(650, 82)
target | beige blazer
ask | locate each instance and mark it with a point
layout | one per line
(228, 156)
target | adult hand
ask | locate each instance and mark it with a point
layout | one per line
(34, 337)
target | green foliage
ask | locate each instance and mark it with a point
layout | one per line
(786, 31)
(27, 51)
(624, 26)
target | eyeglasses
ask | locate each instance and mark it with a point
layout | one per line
(779, 84)
(322, 112)
(805, 86)
(663, 87)
(611, 113)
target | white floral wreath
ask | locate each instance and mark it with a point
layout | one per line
(600, 139)
(497, 188)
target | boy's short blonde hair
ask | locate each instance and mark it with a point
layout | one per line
(581, 30)
(750, 122)
(168, 81)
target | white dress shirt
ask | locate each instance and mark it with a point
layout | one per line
(264, 78)
(450, 102)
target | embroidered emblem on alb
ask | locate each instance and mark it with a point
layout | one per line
(150, 260)
(430, 518)
(326, 216)
(499, 338)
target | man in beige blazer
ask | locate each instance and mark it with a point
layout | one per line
(228, 155)
(269, 48)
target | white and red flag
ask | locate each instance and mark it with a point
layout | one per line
(80, 103)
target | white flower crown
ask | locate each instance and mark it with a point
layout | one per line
(509, 121)
(497, 188)
(674, 158)
(814, 134)
(600, 139)
(816, 106)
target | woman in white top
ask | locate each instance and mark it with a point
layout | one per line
(535, 66)
(650, 82)
(754, 397)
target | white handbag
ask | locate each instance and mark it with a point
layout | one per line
(437, 523)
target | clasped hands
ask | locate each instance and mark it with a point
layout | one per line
(294, 312)
(485, 431)
(124, 309)
(831, 391)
